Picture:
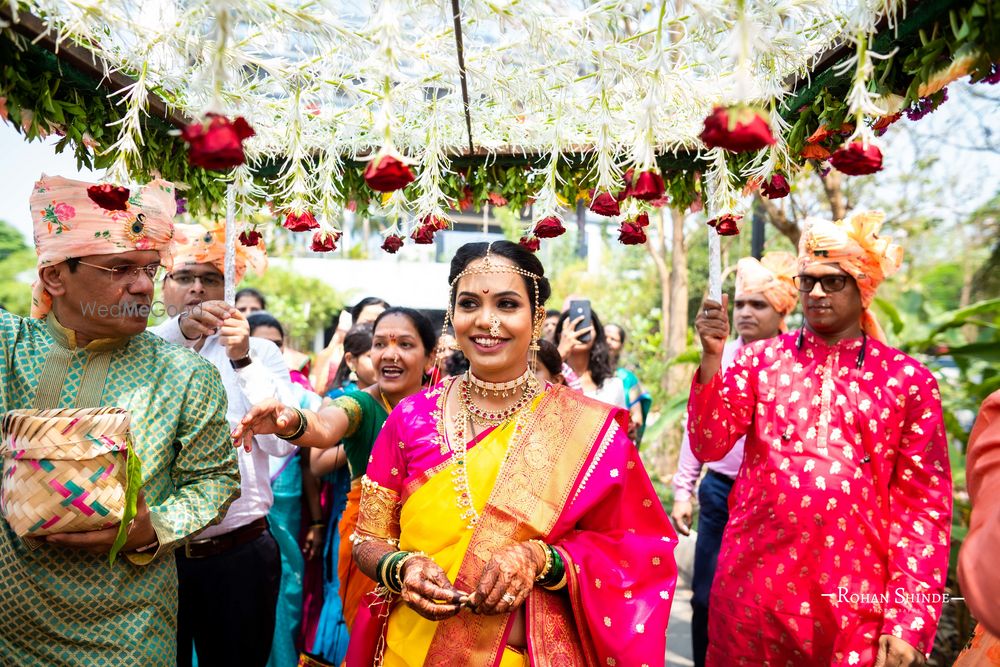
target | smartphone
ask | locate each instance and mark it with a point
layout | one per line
(578, 308)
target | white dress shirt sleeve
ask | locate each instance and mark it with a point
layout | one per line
(267, 377)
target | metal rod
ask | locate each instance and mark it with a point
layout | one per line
(457, 15)
(230, 258)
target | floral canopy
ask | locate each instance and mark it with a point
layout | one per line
(484, 102)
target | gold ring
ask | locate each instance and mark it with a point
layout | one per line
(508, 598)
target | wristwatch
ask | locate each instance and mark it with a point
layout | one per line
(243, 362)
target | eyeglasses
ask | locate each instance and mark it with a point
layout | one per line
(187, 279)
(127, 272)
(805, 284)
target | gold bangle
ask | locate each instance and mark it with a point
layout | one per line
(548, 560)
(300, 431)
(559, 585)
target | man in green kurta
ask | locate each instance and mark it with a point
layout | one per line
(86, 345)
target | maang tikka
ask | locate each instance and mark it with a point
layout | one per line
(489, 266)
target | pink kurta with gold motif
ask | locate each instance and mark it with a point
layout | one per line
(841, 516)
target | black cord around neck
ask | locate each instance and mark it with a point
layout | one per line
(800, 339)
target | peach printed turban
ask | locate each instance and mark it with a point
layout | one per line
(855, 246)
(206, 244)
(70, 220)
(772, 277)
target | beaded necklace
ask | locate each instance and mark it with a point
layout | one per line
(459, 449)
(486, 417)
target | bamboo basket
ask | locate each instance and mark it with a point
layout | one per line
(64, 470)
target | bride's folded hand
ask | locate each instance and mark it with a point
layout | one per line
(507, 579)
(427, 590)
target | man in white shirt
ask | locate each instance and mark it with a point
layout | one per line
(229, 575)
(765, 294)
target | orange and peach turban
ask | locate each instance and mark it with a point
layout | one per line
(79, 219)
(772, 277)
(855, 246)
(201, 244)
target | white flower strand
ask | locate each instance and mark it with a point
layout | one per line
(372, 71)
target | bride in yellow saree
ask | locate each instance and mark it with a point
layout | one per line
(508, 522)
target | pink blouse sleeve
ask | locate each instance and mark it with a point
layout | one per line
(720, 411)
(920, 501)
(381, 487)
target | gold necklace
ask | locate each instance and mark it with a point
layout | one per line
(459, 451)
(496, 417)
(385, 401)
(498, 389)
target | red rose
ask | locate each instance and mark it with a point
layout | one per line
(387, 171)
(641, 220)
(605, 204)
(325, 241)
(737, 129)
(776, 188)
(648, 186)
(216, 142)
(631, 234)
(856, 160)
(626, 192)
(423, 235)
(726, 225)
(531, 243)
(109, 197)
(549, 228)
(435, 222)
(392, 243)
(302, 222)
(497, 199)
(250, 238)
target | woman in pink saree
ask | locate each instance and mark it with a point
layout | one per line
(508, 523)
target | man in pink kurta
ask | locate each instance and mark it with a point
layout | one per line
(837, 547)
(765, 294)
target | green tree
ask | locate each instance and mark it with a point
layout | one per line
(16, 263)
(302, 305)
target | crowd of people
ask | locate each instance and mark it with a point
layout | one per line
(474, 494)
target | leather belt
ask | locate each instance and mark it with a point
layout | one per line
(213, 546)
(722, 478)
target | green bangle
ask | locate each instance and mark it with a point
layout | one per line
(381, 567)
(556, 577)
(389, 572)
(396, 575)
